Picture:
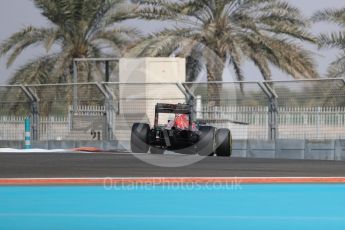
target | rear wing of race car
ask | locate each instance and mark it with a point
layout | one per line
(174, 108)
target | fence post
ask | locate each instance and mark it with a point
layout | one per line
(112, 110)
(318, 121)
(109, 109)
(35, 120)
(75, 86)
(34, 110)
(190, 97)
(27, 133)
(272, 110)
(198, 107)
(107, 73)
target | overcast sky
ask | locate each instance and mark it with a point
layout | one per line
(17, 14)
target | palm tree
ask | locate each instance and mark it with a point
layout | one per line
(333, 40)
(230, 32)
(78, 29)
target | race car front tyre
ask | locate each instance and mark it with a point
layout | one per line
(223, 143)
(140, 138)
(206, 141)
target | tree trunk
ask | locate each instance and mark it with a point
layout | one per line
(214, 74)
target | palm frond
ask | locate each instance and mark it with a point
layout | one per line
(77, 29)
(330, 15)
(235, 30)
(337, 68)
(36, 71)
(333, 40)
(19, 41)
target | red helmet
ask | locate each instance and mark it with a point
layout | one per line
(182, 122)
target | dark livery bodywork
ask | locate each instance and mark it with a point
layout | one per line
(195, 138)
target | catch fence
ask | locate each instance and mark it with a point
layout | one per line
(303, 109)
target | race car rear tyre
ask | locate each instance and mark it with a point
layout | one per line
(140, 138)
(155, 150)
(223, 140)
(206, 141)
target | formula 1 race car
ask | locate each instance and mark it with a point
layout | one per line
(180, 134)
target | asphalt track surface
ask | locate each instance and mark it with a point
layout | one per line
(75, 165)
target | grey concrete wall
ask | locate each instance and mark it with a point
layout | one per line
(320, 150)
(12, 144)
(339, 153)
(239, 148)
(296, 149)
(260, 149)
(290, 149)
(281, 149)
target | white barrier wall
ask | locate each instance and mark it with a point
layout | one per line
(150, 72)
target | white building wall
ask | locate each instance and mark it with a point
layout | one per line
(140, 80)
